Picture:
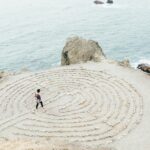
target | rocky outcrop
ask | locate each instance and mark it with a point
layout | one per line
(144, 67)
(4, 74)
(98, 2)
(110, 1)
(78, 50)
(124, 63)
(1, 75)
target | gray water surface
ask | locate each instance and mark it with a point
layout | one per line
(33, 32)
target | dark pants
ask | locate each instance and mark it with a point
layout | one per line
(38, 104)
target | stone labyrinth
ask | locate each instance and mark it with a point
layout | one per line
(91, 107)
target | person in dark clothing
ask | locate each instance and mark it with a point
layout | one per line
(38, 99)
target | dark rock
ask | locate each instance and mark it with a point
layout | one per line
(98, 2)
(110, 1)
(144, 67)
(66, 58)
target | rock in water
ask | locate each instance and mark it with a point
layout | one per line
(110, 1)
(98, 2)
(144, 67)
(79, 50)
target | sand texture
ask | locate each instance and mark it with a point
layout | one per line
(92, 105)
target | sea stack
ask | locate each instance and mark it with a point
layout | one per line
(79, 50)
(98, 2)
(110, 1)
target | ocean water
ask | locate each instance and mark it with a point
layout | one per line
(33, 32)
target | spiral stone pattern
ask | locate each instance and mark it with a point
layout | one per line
(80, 105)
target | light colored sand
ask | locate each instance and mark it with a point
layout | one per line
(45, 145)
(93, 105)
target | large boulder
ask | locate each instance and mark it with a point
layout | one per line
(144, 67)
(78, 50)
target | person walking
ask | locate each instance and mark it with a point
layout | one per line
(38, 99)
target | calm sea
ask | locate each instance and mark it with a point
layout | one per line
(33, 32)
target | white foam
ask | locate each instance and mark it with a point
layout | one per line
(141, 61)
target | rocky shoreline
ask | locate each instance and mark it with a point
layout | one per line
(78, 50)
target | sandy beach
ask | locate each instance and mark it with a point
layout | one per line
(91, 105)
(85, 64)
